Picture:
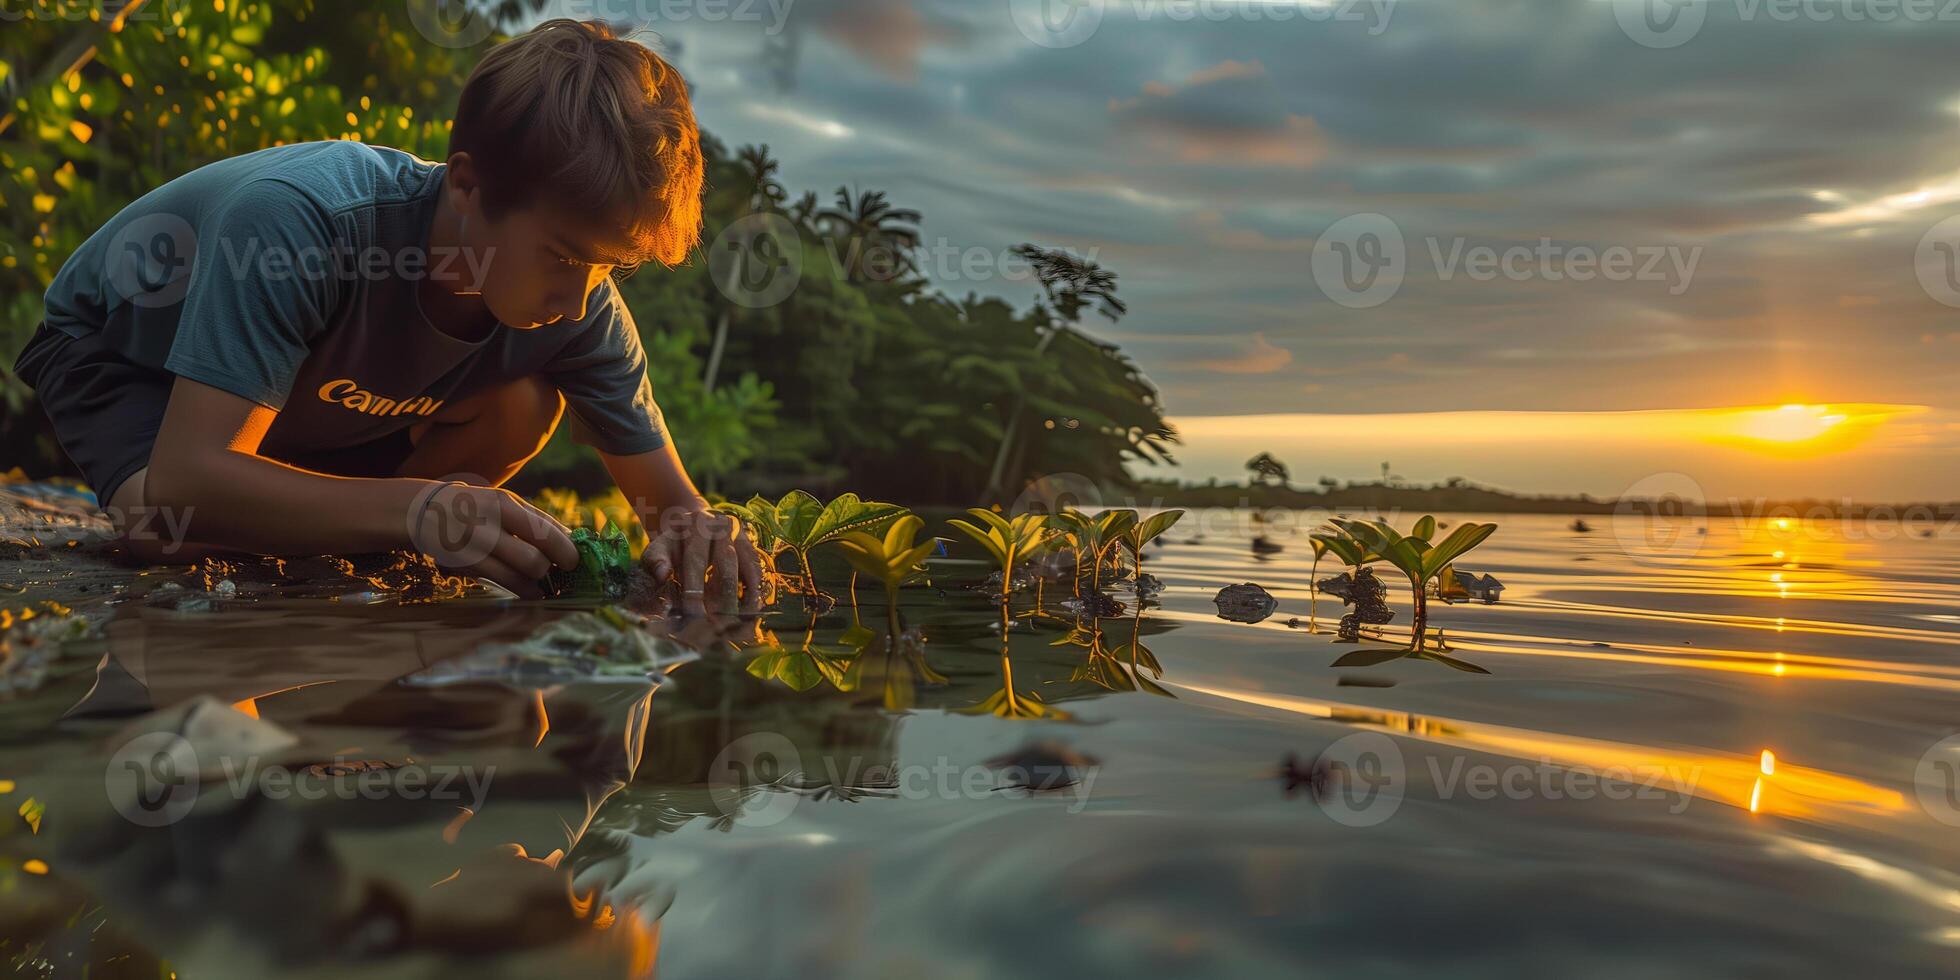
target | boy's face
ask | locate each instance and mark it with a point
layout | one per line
(542, 264)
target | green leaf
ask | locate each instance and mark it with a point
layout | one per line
(1461, 540)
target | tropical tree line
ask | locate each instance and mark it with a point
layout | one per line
(865, 376)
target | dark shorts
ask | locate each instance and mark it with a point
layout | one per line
(106, 412)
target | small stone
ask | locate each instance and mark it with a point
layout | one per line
(1245, 603)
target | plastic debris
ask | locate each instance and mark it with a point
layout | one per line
(30, 641)
(609, 644)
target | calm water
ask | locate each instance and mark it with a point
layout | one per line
(1716, 756)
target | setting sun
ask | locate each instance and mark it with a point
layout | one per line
(1791, 423)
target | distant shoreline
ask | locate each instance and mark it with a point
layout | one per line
(1470, 498)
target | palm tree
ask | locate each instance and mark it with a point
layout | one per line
(1068, 284)
(804, 212)
(765, 194)
(869, 225)
(1265, 468)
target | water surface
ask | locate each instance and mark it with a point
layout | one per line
(1714, 758)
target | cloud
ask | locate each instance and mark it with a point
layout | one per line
(1263, 357)
(1226, 112)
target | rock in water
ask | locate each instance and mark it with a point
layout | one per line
(605, 567)
(1245, 603)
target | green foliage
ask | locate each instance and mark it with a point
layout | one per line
(893, 559)
(799, 523)
(605, 567)
(1142, 531)
(1420, 561)
(865, 375)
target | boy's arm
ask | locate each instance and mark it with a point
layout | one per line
(686, 535)
(205, 468)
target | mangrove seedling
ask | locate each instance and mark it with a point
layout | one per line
(798, 523)
(893, 560)
(1421, 562)
(1008, 542)
(1141, 531)
(1094, 537)
(605, 567)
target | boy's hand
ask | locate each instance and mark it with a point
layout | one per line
(708, 549)
(489, 532)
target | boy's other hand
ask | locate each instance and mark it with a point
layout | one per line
(489, 532)
(709, 550)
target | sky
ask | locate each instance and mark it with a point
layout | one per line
(1339, 225)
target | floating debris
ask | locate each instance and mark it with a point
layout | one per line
(1366, 594)
(1045, 765)
(1263, 545)
(1148, 586)
(609, 644)
(1245, 603)
(347, 767)
(1092, 604)
(30, 642)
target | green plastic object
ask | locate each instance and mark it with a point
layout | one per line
(605, 567)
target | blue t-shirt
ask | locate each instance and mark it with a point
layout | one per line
(289, 276)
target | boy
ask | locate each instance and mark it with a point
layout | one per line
(340, 347)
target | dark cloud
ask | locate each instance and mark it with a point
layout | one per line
(1201, 160)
